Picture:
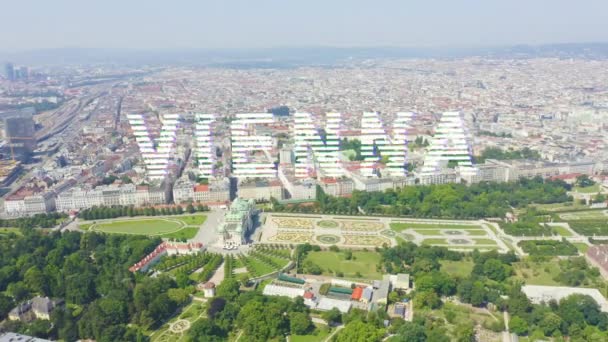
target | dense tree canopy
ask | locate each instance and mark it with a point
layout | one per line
(441, 201)
(500, 154)
(99, 213)
(89, 271)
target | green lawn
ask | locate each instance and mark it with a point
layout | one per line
(320, 334)
(460, 269)
(399, 226)
(438, 232)
(428, 232)
(434, 242)
(484, 242)
(154, 226)
(561, 231)
(476, 232)
(192, 220)
(171, 227)
(588, 189)
(582, 247)
(85, 226)
(537, 273)
(184, 233)
(362, 262)
(257, 268)
(8, 230)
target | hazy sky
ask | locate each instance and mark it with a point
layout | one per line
(274, 23)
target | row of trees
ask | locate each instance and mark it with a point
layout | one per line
(37, 221)
(103, 212)
(440, 201)
(500, 154)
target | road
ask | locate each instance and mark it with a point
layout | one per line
(506, 336)
(333, 333)
(207, 233)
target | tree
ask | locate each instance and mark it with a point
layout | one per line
(228, 289)
(332, 316)
(205, 330)
(393, 297)
(216, 305)
(19, 291)
(262, 321)
(465, 333)
(190, 208)
(518, 325)
(496, 270)
(179, 296)
(410, 332)
(299, 323)
(584, 181)
(358, 331)
(427, 299)
(579, 309)
(550, 323)
(36, 280)
(6, 304)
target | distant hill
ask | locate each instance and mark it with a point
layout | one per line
(290, 57)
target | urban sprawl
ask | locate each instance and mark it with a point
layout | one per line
(470, 192)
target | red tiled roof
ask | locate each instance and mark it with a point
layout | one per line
(357, 292)
(201, 188)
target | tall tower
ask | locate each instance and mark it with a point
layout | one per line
(19, 133)
(449, 144)
(9, 71)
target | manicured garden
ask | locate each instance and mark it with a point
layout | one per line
(366, 240)
(590, 227)
(484, 242)
(177, 328)
(434, 241)
(548, 248)
(526, 228)
(562, 231)
(399, 226)
(262, 260)
(597, 214)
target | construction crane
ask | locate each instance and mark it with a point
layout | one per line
(10, 143)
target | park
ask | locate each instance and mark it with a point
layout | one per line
(181, 227)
